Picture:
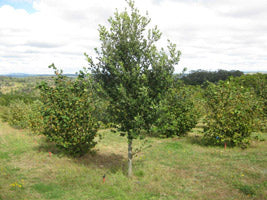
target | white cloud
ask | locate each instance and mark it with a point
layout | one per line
(211, 34)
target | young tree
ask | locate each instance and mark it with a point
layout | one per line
(133, 73)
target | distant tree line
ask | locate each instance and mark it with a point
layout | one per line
(199, 77)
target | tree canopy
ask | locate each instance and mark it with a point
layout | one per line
(133, 73)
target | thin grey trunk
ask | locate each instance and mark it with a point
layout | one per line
(130, 156)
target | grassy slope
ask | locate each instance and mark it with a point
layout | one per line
(170, 169)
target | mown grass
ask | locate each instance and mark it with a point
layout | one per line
(176, 168)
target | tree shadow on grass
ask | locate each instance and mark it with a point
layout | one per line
(103, 160)
(110, 161)
(47, 146)
(196, 139)
(201, 141)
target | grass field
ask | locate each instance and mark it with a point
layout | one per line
(177, 168)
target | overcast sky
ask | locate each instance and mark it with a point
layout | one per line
(211, 34)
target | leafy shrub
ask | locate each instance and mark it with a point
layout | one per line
(17, 114)
(176, 113)
(258, 83)
(21, 115)
(4, 110)
(35, 121)
(68, 113)
(231, 109)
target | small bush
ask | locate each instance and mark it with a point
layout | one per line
(21, 115)
(231, 110)
(69, 113)
(17, 114)
(176, 113)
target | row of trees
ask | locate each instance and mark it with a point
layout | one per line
(199, 77)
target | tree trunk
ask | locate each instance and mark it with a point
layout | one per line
(130, 156)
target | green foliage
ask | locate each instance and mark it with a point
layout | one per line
(21, 115)
(133, 73)
(257, 83)
(36, 123)
(68, 113)
(231, 110)
(199, 77)
(6, 99)
(176, 114)
(196, 95)
(17, 114)
(102, 114)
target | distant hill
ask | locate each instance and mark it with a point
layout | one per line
(22, 75)
(254, 72)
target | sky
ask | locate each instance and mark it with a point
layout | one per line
(211, 34)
